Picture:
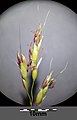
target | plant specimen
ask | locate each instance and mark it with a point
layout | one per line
(48, 82)
(33, 65)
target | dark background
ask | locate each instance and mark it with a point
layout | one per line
(5, 4)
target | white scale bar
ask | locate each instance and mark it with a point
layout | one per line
(43, 110)
(24, 110)
(40, 110)
(54, 109)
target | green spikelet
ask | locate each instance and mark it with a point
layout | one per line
(35, 54)
(39, 97)
(25, 83)
(23, 71)
(45, 91)
(34, 74)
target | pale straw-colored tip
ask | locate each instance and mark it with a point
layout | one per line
(46, 18)
(64, 68)
(49, 76)
(39, 62)
(51, 62)
(51, 73)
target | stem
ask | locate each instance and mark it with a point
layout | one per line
(32, 91)
(29, 99)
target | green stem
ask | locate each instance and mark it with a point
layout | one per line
(29, 98)
(32, 91)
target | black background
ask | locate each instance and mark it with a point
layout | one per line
(5, 4)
